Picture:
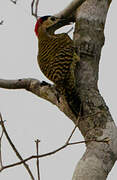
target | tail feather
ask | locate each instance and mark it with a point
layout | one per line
(71, 97)
(73, 100)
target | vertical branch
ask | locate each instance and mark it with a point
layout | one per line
(37, 149)
(34, 11)
(32, 7)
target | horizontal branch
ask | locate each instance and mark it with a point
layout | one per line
(32, 85)
(105, 140)
(42, 89)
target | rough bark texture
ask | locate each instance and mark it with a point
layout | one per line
(99, 158)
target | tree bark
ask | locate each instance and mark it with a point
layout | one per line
(99, 158)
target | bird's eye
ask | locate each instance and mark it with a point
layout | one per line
(53, 18)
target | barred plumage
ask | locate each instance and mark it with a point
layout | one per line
(57, 60)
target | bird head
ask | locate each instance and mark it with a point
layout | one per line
(50, 24)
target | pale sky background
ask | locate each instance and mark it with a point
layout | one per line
(30, 117)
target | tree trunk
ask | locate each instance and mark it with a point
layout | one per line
(99, 158)
(96, 122)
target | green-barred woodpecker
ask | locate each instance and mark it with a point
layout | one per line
(57, 58)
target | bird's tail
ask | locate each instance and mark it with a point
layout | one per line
(73, 100)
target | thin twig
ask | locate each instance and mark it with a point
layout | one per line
(14, 148)
(105, 140)
(33, 157)
(71, 135)
(1, 165)
(37, 149)
(32, 6)
(69, 138)
(34, 11)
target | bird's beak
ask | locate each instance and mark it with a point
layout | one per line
(60, 23)
(63, 22)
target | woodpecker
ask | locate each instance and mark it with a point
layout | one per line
(57, 58)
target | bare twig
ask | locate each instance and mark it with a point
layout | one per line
(37, 149)
(69, 138)
(14, 149)
(67, 142)
(105, 140)
(34, 11)
(1, 165)
(32, 7)
(33, 157)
